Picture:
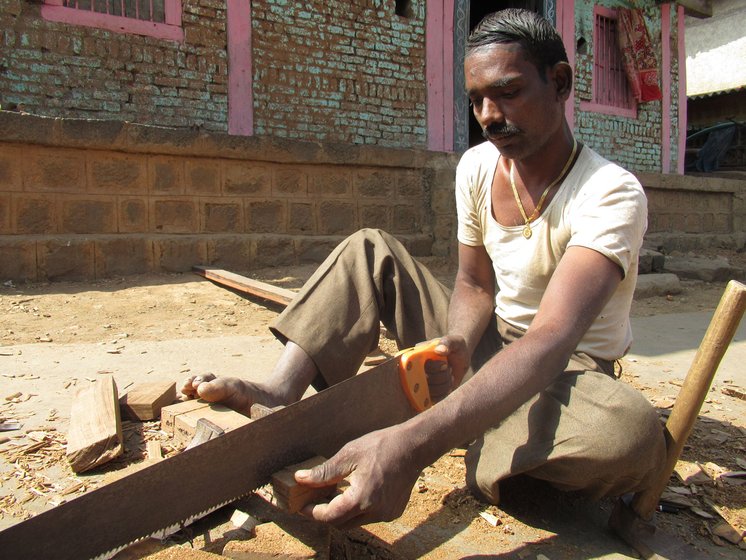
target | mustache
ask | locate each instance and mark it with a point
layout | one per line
(496, 130)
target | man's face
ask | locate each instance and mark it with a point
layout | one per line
(517, 110)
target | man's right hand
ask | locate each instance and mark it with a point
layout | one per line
(454, 349)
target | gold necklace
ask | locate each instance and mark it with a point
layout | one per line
(528, 219)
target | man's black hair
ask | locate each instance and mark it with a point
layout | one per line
(539, 39)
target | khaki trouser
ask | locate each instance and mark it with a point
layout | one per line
(587, 431)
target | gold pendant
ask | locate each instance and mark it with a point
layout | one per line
(527, 232)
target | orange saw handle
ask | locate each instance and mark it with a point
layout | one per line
(412, 373)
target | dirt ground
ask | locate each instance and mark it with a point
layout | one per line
(36, 477)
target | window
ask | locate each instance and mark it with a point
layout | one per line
(156, 18)
(611, 91)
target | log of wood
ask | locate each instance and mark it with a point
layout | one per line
(95, 435)
(145, 401)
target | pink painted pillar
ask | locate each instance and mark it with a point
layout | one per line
(682, 89)
(566, 27)
(666, 73)
(439, 74)
(240, 84)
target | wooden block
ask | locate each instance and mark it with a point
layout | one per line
(169, 413)
(95, 434)
(185, 424)
(145, 400)
(291, 496)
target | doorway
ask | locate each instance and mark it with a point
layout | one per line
(476, 10)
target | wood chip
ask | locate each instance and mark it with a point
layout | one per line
(489, 518)
(733, 392)
(727, 532)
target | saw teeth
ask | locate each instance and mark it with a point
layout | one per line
(162, 534)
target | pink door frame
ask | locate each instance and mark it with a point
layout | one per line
(240, 78)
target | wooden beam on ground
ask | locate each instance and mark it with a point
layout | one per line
(95, 435)
(145, 400)
(246, 285)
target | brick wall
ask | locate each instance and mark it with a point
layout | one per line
(340, 71)
(633, 143)
(323, 71)
(55, 69)
(90, 199)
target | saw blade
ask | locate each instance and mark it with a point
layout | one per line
(171, 492)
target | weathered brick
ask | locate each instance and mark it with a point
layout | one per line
(337, 218)
(66, 259)
(35, 214)
(234, 253)
(53, 171)
(5, 225)
(166, 175)
(174, 216)
(375, 216)
(88, 216)
(202, 177)
(410, 185)
(222, 217)
(375, 184)
(11, 163)
(314, 249)
(17, 259)
(405, 219)
(118, 174)
(291, 182)
(301, 218)
(274, 250)
(332, 183)
(123, 255)
(248, 179)
(266, 216)
(178, 254)
(133, 215)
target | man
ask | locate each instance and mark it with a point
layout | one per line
(558, 228)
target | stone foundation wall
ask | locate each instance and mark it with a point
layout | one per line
(92, 199)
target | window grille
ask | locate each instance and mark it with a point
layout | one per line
(611, 91)
(156, 18)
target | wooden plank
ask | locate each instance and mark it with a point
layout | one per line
(246, 285)
(291, 496)
(185, 425)
(169, 413)
(153, 450)
(95, 435)
(145, 400)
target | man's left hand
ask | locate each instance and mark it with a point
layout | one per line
(381, 475)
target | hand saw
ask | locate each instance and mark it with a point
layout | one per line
(171, 493)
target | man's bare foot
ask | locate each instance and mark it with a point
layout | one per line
(291, 376)
(233, 392)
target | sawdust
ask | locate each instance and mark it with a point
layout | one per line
(163, 307)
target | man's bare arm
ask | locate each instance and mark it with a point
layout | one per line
(580, 287)
(383, 466)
